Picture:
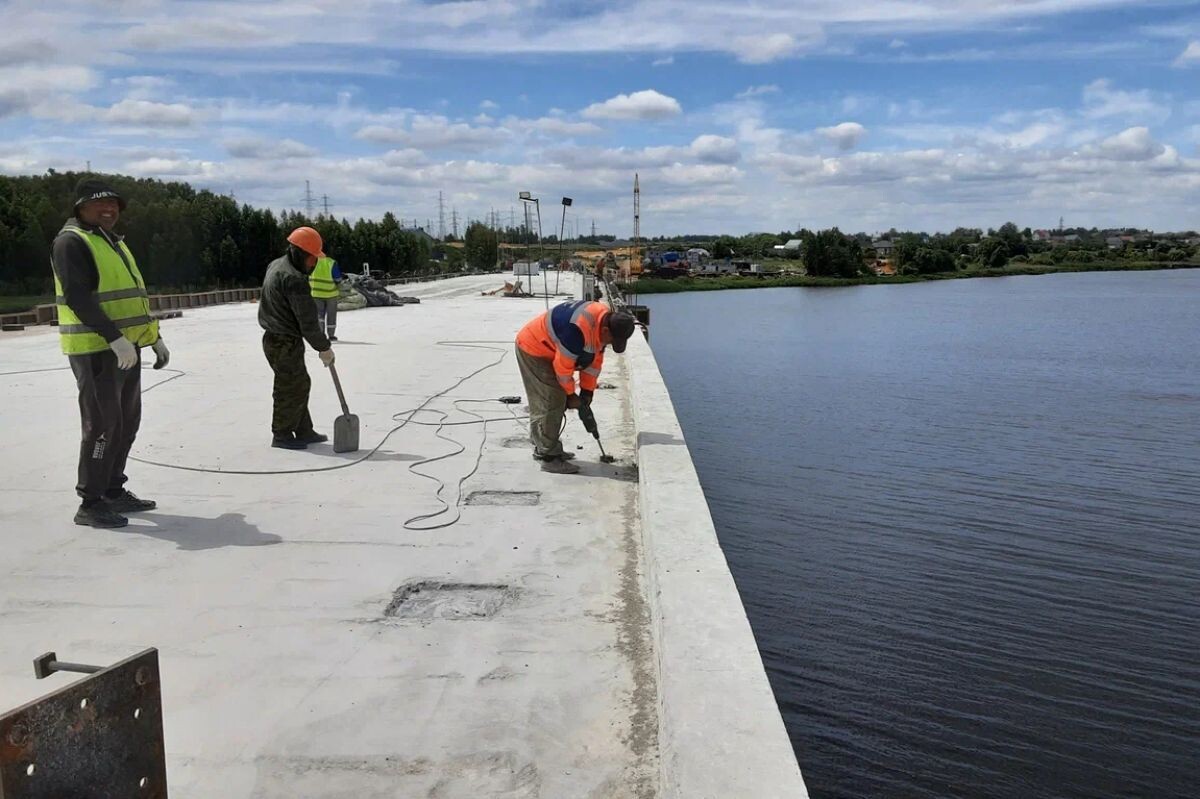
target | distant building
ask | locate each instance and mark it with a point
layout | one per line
(1115, 242)
(792, 246)
(419, 232)
(884, 248)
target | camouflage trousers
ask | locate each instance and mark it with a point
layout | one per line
(285, 354)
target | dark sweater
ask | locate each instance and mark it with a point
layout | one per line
(286, 307)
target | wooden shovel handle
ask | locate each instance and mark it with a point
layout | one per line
(338, 385)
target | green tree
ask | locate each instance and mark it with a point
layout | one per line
(481, 246)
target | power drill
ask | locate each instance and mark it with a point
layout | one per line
(589, 423)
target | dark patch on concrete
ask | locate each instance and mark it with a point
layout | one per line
(644, 439)
(506, 498)
(435, 600)
(516, 442)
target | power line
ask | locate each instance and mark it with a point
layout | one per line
(308, 199)
(325, 201)
(441, 217)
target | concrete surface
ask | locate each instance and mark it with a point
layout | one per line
(721, 734)
(266, 595)
(313, 644)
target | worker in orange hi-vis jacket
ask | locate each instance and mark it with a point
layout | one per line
(551, 348)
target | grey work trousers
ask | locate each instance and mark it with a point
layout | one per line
(110, 413)
(327, 314)
(547, 404)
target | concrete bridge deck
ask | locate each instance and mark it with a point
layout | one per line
(319, 638)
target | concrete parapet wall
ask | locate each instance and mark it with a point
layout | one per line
(48, 314)
(720, 732)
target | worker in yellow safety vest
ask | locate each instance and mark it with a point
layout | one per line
(323, 283)
(103, 322)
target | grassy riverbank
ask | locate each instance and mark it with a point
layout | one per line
(658, 286)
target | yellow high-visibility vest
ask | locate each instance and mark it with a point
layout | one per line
(321, 282)
(122, 296)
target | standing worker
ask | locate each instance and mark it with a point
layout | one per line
(324, 284)
(553, 346)
(288, 317)
(103, 322)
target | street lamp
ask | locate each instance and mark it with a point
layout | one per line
(525, 197)
(566, 202)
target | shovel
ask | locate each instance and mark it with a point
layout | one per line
(345, 427)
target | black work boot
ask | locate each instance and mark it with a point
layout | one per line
(288, 442)
(312, 437)
(123, 501)
(99, 514)
(566, 456)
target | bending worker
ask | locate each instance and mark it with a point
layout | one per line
(288, 317)
(324, 284)
(568, 338)
(103, 322)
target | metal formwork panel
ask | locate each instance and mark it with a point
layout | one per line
(99, 738)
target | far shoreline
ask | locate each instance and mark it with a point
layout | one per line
(682, 284)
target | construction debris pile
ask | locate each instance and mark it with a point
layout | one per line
(366, 292)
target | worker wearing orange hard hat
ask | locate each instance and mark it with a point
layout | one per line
(288, 317)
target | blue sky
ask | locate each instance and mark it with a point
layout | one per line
(738, 117)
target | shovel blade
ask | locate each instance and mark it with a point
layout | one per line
(345, 433)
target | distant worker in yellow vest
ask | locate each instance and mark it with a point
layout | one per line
(103, 322)
(323, 282)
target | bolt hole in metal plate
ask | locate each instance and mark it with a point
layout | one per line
(508, 498)
(434, 600)
(88, 739)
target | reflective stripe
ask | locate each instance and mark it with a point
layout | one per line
(566, 380)
(591, 371)
(554, 338)
(132, 321)
(106, 296)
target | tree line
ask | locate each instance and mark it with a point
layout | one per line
(186, 239)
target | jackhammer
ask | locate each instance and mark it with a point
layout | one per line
(589, 423)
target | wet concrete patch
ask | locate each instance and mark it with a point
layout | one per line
(516, 442)
(519, 498)
(436, 600)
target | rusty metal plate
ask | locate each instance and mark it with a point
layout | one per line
(100, 737)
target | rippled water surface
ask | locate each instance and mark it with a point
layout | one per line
(965, 521)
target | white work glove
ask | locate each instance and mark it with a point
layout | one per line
(162, 355)
(127, 354)
(326, 357)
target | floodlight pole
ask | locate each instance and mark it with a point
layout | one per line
(526, 197)
(566, 201)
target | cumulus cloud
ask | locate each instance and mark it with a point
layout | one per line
(1133, 144)
(646, 104)
(489, 105)
(663, 62)
(846, 136)
(30, 51)
(1190, 55)
(14, 101)
(715, 149)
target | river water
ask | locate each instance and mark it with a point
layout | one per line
(964, 518)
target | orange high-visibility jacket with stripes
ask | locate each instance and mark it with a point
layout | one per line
(569, 335)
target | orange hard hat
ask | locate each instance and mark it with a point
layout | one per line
(308, 240)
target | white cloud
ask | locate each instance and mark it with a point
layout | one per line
(489, 105)
(1102, 101)
(434, 132)
(144, 113)
(663, 62)
(846, 135)
(756, 49)
(1190, 55)
(758, 91)
(268, 149)
(715, 149)
(560, 127)
(1133, 144)
(646, 104)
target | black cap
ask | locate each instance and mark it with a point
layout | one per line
(621, 325)
(89, 189)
